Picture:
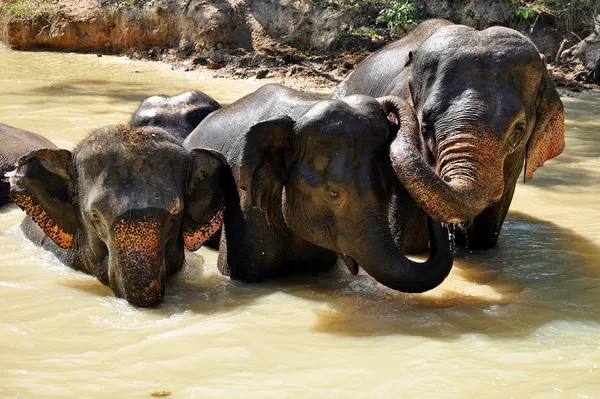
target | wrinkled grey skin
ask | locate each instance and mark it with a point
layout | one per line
(178, 115)
(121, 206)
(312, 179)
(16, 143)
(483, 106)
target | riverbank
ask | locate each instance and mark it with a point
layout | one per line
(309, 44)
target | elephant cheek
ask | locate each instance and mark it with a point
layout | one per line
(140, 261)
(96, 267)
(196, 238)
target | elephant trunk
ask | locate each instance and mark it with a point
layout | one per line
(137, 262)
(384, 260)
(462, 189)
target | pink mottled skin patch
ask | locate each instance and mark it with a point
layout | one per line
(195, 239)
(139, 250)
(154, 284)
(548, 146)
(39, 215)
(138, 239)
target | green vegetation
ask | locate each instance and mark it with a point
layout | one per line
(24, 9)
(400, 15)
(524, 12)
(27, 9)
(528, 10)
(343, 5)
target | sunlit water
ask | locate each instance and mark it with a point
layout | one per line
(521, 320)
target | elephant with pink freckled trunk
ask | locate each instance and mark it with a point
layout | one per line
(122, 206)
(482, 107)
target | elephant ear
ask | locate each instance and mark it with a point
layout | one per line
(208, 180)
(41, 185)
(262, 170)
(548, 137)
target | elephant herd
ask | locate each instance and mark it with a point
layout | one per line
(431, 130)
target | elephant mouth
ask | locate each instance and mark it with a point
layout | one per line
(351, 264)
(148, 297)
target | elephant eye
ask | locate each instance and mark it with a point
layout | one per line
(95, 217)
(332, 197)
(517, 134)
(172, 218)
(96, 222)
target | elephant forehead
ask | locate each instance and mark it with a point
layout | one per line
(473, 105)
(120, 161)
(346, 167)
(121, 138)
(115, 199)
(497, 48)
(342, 126)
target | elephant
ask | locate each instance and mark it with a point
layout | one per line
(122, 206)
(178, 115)
(481, 104)
(312, 179)
(16, 143)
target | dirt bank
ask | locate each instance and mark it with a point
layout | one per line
(312, 41)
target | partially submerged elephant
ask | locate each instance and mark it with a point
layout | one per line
(122, 206)
(178, 115)
(16, 143)
(313, 179)
(481, 105)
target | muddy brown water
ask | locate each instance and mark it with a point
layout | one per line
(521, 320)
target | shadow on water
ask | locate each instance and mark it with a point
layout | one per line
(568, 177)
(190, 289)
(109, 91)
(113, 91)
(538, 274)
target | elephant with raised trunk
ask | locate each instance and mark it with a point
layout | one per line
(122, 206)
(313, 179)
(480, 104)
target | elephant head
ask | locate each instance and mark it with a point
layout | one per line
(329, 174)
(124, 203)
(483, 105)
(178, 115)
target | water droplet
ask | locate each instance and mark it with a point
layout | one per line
(451, 236)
